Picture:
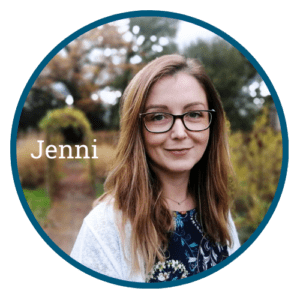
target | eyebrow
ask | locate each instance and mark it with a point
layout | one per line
(166, 107)
(192, 104)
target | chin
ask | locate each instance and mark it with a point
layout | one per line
(180, 168)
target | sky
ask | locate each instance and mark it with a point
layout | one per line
(188, 32)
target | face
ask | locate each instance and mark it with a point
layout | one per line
(178, 150)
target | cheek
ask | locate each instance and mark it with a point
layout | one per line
(201, 143)
(201, 138)
(205, 142)
(152, 140)
(206, 138)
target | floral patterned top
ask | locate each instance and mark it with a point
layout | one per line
(189, 251)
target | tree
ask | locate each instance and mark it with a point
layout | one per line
(232, 74)
(149, 37)
(79, 71)
(103, 58)
(38, 102)
(153, 37)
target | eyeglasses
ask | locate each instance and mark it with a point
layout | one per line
(160, 122)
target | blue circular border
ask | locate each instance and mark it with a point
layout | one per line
(152, 13)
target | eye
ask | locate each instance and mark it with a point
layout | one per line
(194, 114)
(156, 117)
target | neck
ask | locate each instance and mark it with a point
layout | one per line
(175, 190)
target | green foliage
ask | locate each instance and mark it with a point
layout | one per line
(99, 189)
(153, 29)
(80, 70)
(256, 158)
(37, 104)
(231, 74)
(64, 117)
(39, 203)
(52, 124)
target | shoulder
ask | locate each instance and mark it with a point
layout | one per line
(234, 235)
(98, 245)
(103, 216)
(102, 208)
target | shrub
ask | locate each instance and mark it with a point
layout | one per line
(256, 158)
(31, 171)
(53, 124)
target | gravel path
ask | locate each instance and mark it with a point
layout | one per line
(69, 207)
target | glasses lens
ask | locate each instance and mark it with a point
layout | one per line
(158, 122)
(197, 120)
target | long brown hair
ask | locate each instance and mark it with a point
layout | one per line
(137, 190)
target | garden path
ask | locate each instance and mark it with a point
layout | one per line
(72, 202)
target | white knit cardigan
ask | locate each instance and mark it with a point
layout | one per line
(98, 245)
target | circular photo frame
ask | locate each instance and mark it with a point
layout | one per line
(86, 72)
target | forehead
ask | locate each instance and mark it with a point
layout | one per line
(178, 90)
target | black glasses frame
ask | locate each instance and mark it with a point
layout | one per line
(142, 115)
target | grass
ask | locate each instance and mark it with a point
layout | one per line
(99, 189)
(39, 203)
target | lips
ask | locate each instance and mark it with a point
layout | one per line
(178, 151)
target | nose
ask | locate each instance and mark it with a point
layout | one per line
(178, 130)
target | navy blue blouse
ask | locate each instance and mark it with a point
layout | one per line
(189, 251)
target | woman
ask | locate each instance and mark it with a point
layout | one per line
(165, 214)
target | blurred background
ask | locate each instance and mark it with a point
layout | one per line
(75, 100)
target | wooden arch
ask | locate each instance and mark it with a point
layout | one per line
(52, 124)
